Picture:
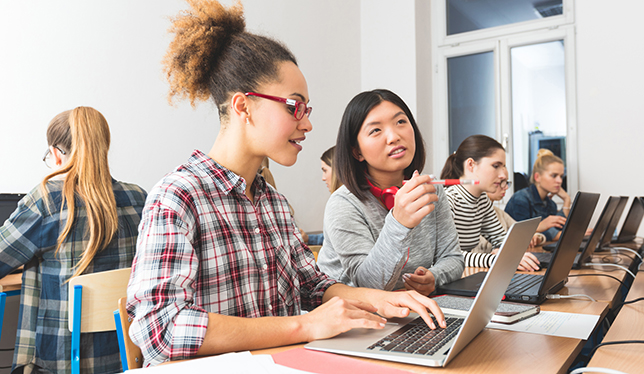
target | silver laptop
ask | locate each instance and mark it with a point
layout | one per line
(409, 340)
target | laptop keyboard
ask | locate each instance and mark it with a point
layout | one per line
(521, 282)
(417, 338)
(544, 257)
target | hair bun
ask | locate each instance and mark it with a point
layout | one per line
(200, 34)
(544, 152)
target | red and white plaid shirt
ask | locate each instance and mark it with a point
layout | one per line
(204, 247)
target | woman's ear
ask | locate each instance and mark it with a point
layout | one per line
(537, 177)
(59, 158)
(470, 164)
(239, 107)
(357, 154)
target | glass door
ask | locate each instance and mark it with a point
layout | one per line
(538, 87)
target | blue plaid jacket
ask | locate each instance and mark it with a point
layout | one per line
(29, 238)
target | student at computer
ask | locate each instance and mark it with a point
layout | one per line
(373, 238)
(78, 221)
(332, 183)
(536, 199)
(220, 266)
(505, 219)
(481, 158)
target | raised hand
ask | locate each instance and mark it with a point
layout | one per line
(414, 200)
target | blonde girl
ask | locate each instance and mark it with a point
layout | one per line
(78, 221)
(536, 199)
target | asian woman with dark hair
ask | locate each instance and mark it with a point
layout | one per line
(379, 232)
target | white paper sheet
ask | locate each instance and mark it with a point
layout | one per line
(567, 325)
(230, 363)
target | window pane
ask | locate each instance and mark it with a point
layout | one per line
(468, 15)
(538, 103)
(470, 81)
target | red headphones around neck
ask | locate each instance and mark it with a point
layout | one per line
(387, 196)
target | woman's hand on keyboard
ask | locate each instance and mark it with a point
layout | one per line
(529, 263)
(339, 315)
(398, 304)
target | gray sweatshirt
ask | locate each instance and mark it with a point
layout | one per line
(365, 246)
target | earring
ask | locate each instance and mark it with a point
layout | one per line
(247, 121)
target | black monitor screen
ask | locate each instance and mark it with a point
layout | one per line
(8, 204)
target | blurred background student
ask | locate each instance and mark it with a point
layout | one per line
(78, 221)
(332, 183)
(536, 199)
(505, 219)
(481, 158)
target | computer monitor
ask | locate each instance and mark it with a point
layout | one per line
(8, 204)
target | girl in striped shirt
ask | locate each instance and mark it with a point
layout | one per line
(482, 158)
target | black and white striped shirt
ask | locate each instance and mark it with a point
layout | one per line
(474, 217)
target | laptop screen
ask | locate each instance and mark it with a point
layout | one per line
(8, 204)
(633, 220)
(571, 236)
(610, 229)
(608, 214)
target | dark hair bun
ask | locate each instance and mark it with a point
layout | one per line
(200, 33)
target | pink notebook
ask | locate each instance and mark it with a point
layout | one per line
(328, 363)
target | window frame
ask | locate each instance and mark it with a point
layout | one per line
(500, 40)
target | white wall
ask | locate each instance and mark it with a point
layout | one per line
(396, 55)
(610, 80)
(59, 55)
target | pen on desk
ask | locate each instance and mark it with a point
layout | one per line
(452, 182)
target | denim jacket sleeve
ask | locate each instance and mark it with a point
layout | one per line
(519, 207)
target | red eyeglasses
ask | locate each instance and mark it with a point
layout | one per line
(298, 108)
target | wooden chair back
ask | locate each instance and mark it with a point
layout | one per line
(132, 351)
(101, 292)
(92, 299)
(315, 249)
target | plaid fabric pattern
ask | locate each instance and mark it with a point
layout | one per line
(29, 238)
(205, 247)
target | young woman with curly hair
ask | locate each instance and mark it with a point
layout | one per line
(220, 265)
(78, 221)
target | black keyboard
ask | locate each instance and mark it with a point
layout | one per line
(543, 257)
(417, 338)
(522, 282)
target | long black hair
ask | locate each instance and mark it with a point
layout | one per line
(351, 172)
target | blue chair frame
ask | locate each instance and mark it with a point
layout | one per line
(121, 338)
(3, 299)
(78, 306)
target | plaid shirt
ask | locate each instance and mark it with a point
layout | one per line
(205, 247)
(29, 238)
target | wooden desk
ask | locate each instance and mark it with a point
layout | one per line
(497, 351)
(629, 325)
(11, 282)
